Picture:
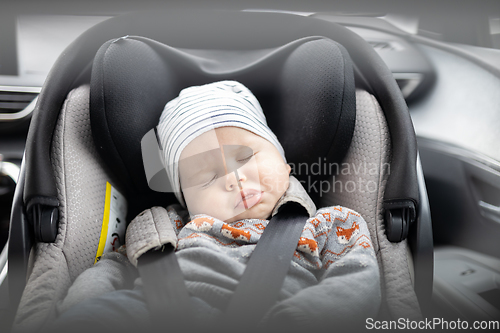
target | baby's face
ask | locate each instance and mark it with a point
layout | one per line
(232, 174)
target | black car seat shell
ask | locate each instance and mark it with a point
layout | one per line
(227, 31)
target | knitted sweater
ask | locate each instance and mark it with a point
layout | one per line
(333, 276)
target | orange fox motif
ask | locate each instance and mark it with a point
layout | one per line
(234, 233)
(201, 224)
(307, 245)
(345, 235)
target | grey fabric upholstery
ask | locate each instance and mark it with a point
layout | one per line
(81, 184)
(360, 188)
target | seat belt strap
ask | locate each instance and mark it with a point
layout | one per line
(164, 288)
(261, 283)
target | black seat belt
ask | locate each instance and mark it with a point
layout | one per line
(168, 299)
(164, 288)
(261, 283)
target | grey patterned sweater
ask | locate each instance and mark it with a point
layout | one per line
(333, 278)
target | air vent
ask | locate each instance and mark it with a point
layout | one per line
(12, 102)
(17, 102)
(382, 45)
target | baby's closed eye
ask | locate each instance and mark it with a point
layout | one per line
(245, 159)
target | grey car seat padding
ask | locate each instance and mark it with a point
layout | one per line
(367, 164)
(81, 185)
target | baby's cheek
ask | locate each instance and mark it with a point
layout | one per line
(269, 180)
(265, 168)
(281, 185)
(194, 201)
(284, 171)
(267, 183)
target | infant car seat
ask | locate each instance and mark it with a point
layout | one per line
(79, 147)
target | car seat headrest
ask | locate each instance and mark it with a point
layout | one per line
(306, 89)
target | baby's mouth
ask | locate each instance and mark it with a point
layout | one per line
(248, 198)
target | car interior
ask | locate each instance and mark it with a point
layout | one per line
(444, 61)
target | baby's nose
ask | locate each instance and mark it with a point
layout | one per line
(234, 180)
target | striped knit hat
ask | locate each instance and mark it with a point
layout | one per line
(199, 109)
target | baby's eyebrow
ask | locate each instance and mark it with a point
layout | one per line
(233, 150)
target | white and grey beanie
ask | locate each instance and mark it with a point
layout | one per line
(199, 109)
